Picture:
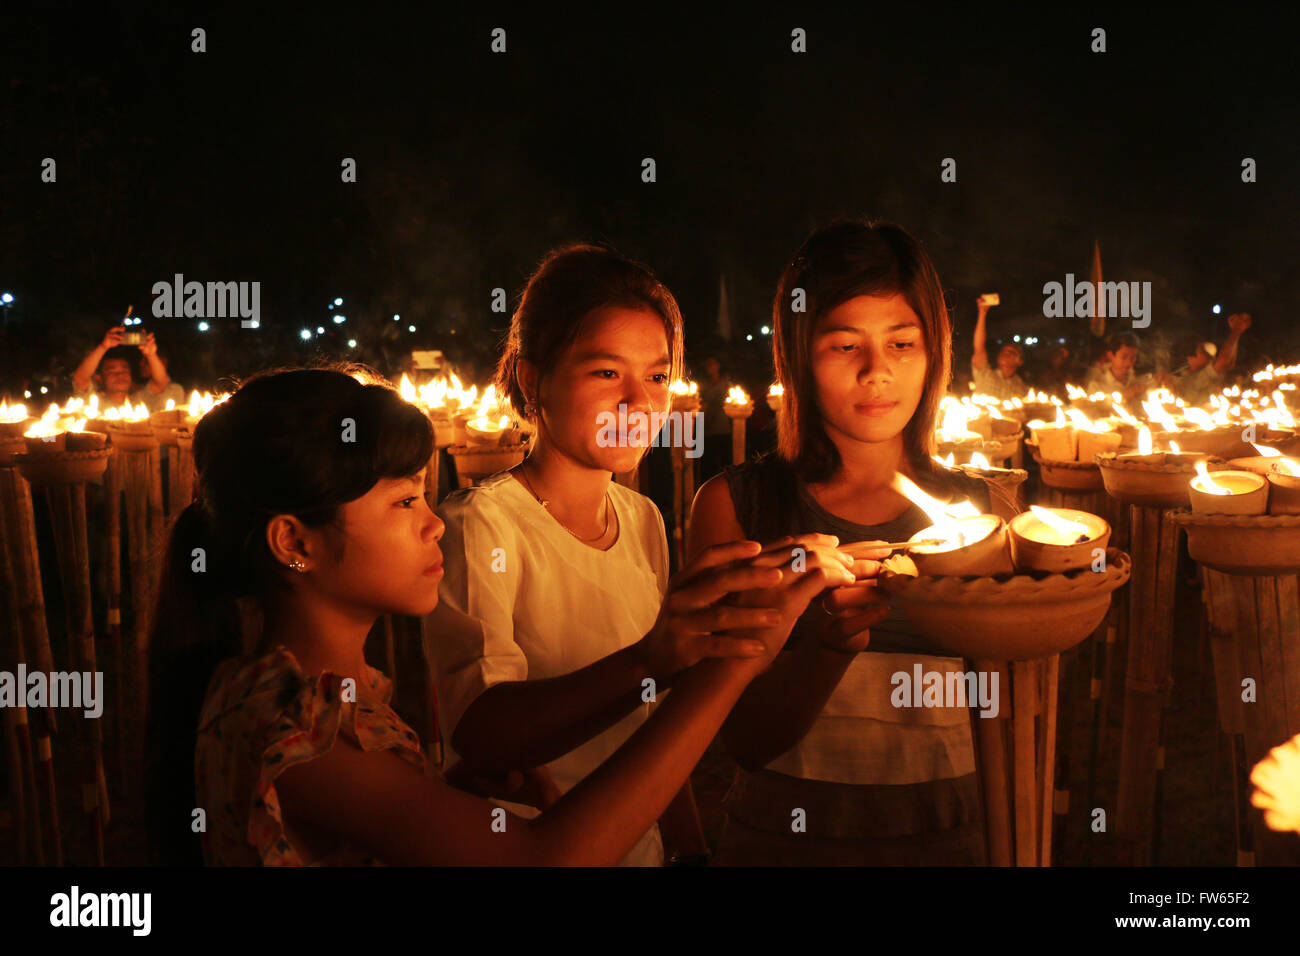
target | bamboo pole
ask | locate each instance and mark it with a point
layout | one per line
(113, 484)
(1023, 690)
(994, 772)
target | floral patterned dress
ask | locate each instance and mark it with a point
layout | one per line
(263, 715)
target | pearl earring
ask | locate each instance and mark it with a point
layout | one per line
(297, 565)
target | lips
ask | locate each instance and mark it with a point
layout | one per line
(875, 409)
(434, 570)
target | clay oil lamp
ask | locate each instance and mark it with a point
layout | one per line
(1056, 539)
(963, 541)
(1228, 492)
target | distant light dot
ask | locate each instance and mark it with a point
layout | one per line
(338, 301)
(1015, 338)
(44, 389)
(1217, 309)
(27, 394)
(203, 326)
(6, 298)
(319, 330)
(749, 338)
(397, 318)
(339, 319)
(765, 330)
(410, 328)
(305, 334)
(352, 343)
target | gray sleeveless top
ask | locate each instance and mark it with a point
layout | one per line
(771, 501)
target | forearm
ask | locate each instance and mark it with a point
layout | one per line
(520, 724)
(680, 824)
(1228, 354)
(600, 819)
(980, 358)
(782, 703)
(81, 377)
(158, 377)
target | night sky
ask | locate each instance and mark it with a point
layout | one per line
(225, 165)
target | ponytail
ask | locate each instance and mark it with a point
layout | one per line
(195, 627)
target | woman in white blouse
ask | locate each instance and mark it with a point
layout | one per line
(545, 651)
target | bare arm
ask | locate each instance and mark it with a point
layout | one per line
(781, 704)
(980, 358)
(378, 801)
(158, 377)
(1227, 357)
(529, 723)
(81, 376)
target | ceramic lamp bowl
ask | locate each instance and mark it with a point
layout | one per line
(1068, 475)
(86, 441)
(1158, 480)
(16, 429)
(11, 448)
(1259, 464)
(47, 445)
(1057, 442)
(1092, 444)
(738, 411)
(1248, 494)
(1251, 545)
(1223, 442)
(64, 467)
(476, 462)
(1021, 617)
(988, 553)
(1283, 493)
(1036, 547)
(132, 439)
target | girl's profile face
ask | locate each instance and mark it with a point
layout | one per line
(390, 562)
(869, 365)
(621, 358)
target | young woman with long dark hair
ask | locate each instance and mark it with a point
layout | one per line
(862, 346)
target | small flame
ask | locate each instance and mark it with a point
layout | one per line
(1288, 466)
(938, 512)
(736, 396)
(12, 413)
(1144, 440)
(979, 461)
(1206, 483)
(1175, 447)
(1066, 527)
(776, 388)
(1266, 451)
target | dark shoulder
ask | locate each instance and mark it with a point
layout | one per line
(762, 492)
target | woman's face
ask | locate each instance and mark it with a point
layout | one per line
(621, 358)
(390, 560)
(869, 365)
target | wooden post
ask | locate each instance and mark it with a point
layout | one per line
(1148, 678)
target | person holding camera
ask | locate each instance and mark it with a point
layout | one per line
(107, 371)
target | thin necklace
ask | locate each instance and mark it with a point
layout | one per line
(547, 505)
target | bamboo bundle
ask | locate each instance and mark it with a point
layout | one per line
(32, 645)
(62, 477)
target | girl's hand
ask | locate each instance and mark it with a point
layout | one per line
(693, 620)
(533, 787)
(851, 611)
(113, 337)
(809, 564)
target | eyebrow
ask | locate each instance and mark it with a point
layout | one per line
(611, 357)
(858, 330)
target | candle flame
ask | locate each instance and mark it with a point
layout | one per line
(1287, 466)
(12, 413)
(1206, 483)
(977, 460)
(1266, 450)
(1175, 447)
(1062, 525)
(1144, 440)
(736, 396)
(938, 512)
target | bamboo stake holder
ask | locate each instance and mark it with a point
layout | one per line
(1148, 678)
(738, 413)
(63, 479)
(137, 452)
(27, 623)
(1255, 634)
(1016, 753)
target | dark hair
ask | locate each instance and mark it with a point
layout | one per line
(572, 282)
(1118, 340)
(838, 262)
(127, 353)
(273, 448)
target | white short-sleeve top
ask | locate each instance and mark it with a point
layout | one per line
(522, 598)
